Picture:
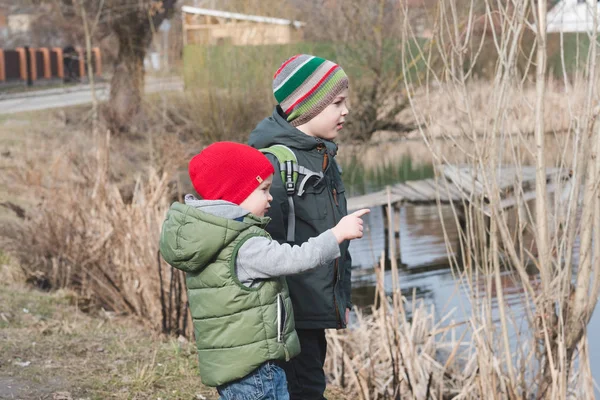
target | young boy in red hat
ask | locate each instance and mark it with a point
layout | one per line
(240, 306)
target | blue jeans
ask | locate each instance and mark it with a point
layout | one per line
(266, 382)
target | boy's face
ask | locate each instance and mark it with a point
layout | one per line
(330, 121)
(258, 201)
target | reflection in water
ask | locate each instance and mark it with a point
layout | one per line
(423, 256)
(422, 245)
(425, 273)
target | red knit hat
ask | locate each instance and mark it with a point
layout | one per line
(228, 171)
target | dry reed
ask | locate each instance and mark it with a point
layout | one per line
(387, 354)
(85, 236)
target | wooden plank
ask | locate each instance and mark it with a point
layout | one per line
(450, 189)
(375, 199)
(528, 173)
(514, 200)
(474, 180)
(466, 183)
(409, 193)
(365, 201)
(464, 193)
(457, 186)
(506, 180)
(423, 188)
(453, 195)
(437, 190)
(434, 187)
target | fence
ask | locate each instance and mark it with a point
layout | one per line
(34, 66)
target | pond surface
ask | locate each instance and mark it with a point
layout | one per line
(425, 270)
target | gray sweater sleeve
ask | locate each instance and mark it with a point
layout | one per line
(262, 258)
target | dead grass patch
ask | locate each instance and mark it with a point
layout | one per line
(47, 343)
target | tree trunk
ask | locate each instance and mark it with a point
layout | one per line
(127, 84)
(134, 31)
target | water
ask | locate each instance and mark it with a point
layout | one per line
(425, 270)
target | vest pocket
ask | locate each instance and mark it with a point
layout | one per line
(281, 318)
(312, 204)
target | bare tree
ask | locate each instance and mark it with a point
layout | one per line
(132, 23)
(365, 38)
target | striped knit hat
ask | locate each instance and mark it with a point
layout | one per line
(304, 85)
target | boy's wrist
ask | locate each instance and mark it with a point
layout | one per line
(339, 237)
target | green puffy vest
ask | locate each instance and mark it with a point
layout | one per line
(237, 328)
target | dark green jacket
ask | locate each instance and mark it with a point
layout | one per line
(236, 327)
(319, 296)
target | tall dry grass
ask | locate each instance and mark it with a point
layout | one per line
(89, 234)
(400, 348)
(538, 350)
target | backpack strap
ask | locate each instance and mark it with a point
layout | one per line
(288, 167)
(290, 170)
(307, 175)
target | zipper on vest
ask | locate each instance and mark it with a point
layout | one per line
(335, 281)
(281, 318)
(335, 197)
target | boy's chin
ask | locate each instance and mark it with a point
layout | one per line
(329, 136)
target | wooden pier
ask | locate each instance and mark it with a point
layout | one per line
(463, 186)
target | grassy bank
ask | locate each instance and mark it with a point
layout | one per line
(50, 347)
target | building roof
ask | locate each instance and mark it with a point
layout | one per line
(241, 17)
(573, 16)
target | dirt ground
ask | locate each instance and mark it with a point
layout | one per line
(49, 349)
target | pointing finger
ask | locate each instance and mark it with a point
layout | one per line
(361, 212)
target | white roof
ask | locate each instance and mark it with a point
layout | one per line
(573, 16)
(238, 16)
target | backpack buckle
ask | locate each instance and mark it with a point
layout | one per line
(290, 187)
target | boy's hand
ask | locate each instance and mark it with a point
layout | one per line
(350, 227)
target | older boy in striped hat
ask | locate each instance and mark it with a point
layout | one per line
(312, 94)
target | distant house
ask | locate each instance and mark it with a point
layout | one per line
(214, 27)
(573, 16)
